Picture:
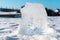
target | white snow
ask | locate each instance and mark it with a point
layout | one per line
(9, 25)
(5, 13)
(32, 26)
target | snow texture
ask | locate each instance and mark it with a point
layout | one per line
(34, 25)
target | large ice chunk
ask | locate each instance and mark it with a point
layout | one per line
(34, 16)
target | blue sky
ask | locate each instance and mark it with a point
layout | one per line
(52, 4)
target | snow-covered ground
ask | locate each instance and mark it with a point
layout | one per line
(54, 22)
(9, 27)
(32, 26)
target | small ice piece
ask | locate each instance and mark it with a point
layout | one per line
(35, 31)
(11, 38)
(29, 31)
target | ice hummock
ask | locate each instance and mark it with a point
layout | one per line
(34, 17)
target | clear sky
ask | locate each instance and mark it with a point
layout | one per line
(52, 4)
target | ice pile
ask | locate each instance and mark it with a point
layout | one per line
(34, 25)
